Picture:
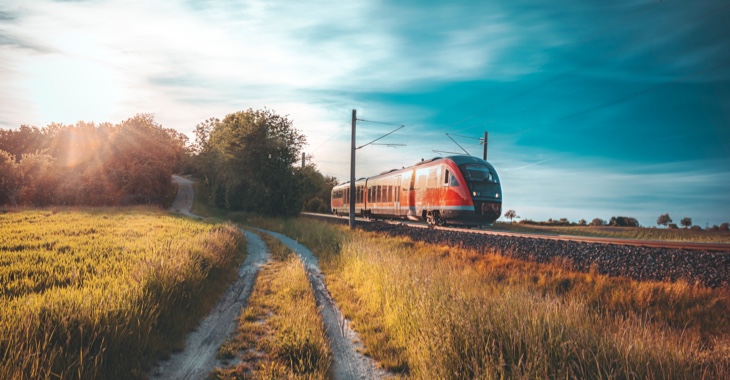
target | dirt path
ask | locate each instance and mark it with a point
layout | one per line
(201, 346)
(184, 200)
(347, 361)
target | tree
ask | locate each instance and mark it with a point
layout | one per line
(686, 222)
(247, 160)
(10, 178)
(582, 222)
(511, 214)
(597, 222)
(623, 221)
(725, 227)
(663, 220)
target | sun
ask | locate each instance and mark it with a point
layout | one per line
(65, 89)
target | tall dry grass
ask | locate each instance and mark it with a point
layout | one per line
(100, 293)
(439, 312)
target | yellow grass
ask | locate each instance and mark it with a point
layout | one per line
(99, 293)
(280, 333)
(439, 312)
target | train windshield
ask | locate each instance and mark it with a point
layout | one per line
(478, 173)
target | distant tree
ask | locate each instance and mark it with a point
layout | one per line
(725, 227)
(597, 222)
(511, 214)
(582, 222)
(672, 226)
(39, 177)
(715, 228)
(663, 220)
(564, 221)
(316, 188)
(696, 228)
(10, 178)
(686, 222)
(623, 221)
(202, 134)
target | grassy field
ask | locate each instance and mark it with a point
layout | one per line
(642, 233)
(101, 293)
(438, 312)
(280, 333)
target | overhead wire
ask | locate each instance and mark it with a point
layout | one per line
(330, 139)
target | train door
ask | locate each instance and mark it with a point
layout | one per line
(396, 196)
(412, 197)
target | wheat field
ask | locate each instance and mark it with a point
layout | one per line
(101, 293)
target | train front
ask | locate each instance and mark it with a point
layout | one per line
(484, 188)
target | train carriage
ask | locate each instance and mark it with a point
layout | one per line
(451, 190)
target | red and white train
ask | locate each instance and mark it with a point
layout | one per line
(444, 190)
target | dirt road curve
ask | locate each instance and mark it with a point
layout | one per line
(347, 362)
(201, 346)
(184, 200)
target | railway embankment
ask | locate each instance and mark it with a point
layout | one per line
(706, 268)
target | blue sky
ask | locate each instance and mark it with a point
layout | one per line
(594, 108)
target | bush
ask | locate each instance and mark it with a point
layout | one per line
(623, 221)
(672, 226)
(598, 222)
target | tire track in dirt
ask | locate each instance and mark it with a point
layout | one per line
(347, 361)
(198, 358)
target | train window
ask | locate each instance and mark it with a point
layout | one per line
(447, 172)
(390, 193)
(453, 181)
(432, 179)
(478, 173)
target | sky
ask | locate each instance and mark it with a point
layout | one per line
(594, 108)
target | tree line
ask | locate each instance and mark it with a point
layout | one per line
(247, 161)
(617, 221)
(90, 164)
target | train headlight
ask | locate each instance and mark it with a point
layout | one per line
(496, 195)
(474, 193)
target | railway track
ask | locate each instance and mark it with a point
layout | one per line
(706, 264)
(720, 247)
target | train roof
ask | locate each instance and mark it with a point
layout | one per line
(458, 160)
(463, 159)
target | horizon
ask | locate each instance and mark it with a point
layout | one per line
(593, 110)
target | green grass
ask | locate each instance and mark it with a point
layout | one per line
(439, 312)
(280, 332)
(641, 233)
(100, 293)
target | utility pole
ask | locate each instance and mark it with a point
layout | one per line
(352, 172)
(303, 160)
(486, 135)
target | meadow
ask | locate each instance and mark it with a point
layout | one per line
(280, 333)
(101, 293)
(429, 311)
(641, 233)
